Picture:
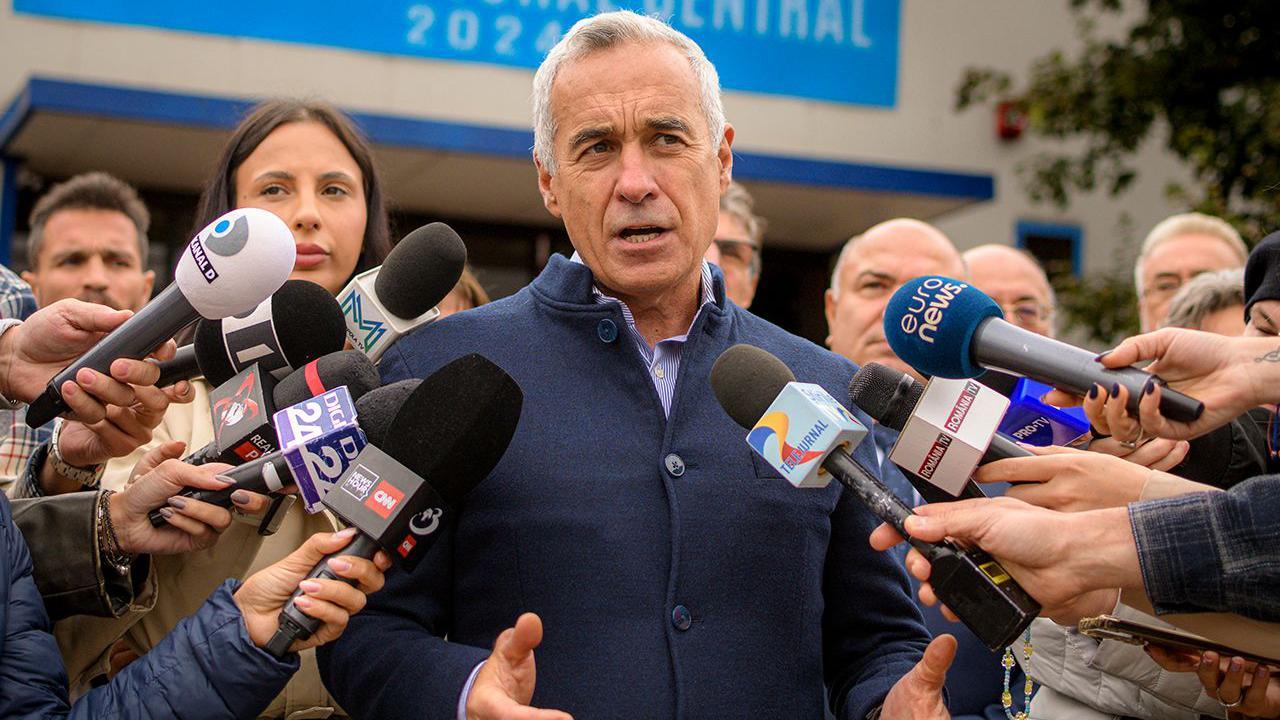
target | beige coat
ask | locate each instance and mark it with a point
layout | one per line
(181, 583)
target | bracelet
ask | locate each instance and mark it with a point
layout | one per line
(5, 403)
(88, 477)
(108, 542)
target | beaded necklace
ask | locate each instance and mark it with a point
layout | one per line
(1006, 698)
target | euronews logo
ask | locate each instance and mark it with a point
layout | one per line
(926, 307)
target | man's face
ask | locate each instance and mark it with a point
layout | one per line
(638, 178)
(733, 252)
(1016, 285)
(1174, 262)
(874, 269)
(91, 255)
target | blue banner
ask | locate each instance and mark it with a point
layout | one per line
(839, 50)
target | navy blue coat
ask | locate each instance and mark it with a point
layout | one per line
(582, 523)
(205, 668)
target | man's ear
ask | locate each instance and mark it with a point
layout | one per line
(725, 155)
(544, 187)
(829, 308)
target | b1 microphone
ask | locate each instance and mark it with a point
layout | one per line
(241, 407)
(946, 328)
(236, 262)
(802, 432)
(382, 304)
(398, 496)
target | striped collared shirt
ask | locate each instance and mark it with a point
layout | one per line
(663, 359)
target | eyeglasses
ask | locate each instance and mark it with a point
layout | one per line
(1027, 313)
(737, 252)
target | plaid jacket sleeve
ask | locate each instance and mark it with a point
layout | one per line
(1212, 552)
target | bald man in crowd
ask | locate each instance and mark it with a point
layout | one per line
(1016, 281)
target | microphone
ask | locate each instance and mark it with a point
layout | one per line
(241, 406)
(382, 304)
(748, 382)
(946, 328)
(1031, 421)
(229, 267)
(299, 322)
(399, 496)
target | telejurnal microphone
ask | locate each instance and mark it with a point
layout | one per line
(236, 262)
(399, 496)
(241, 407)
(803, 432)
(299, 322)
(946, 328)
(382, 304)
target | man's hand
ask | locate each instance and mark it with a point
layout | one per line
(1069, 480)
(193, 525)
(264, 594)
(1070, 562)
(918, 694)
(504, 686)
(124, 429)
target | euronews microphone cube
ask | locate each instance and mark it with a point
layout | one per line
(241, 411)
(949, 431)
(320, 439)
(802, 426)
(229, 267)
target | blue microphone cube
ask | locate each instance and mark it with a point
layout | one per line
(1030, 421)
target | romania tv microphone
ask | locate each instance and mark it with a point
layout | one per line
(382, 304)
(946, 328)
(400, 492)
(891, 397)
(802, 431)
(299, 322)
(243, 406)
(233, 264)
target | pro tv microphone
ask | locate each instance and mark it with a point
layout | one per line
(382, 304)
(399, 494)
(802, 431)
(299, 322)
(236, 262)
(947, 328)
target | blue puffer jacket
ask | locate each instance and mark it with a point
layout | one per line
(205, 668)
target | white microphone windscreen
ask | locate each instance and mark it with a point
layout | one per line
(235, 263)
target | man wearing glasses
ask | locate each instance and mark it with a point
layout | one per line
(736, 248)
(1015, 280)
(1176, 250)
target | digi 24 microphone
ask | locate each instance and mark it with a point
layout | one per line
(398, 496)
(759, 392)
(946, 328)
(299, 322)
(236, 262)
(382, 304)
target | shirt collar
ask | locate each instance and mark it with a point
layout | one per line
(707, 290)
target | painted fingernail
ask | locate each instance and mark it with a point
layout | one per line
(302, 601)
(1102, 354)
(1093, 391)
(340, 565)
(309, 586)
(1115, 389)
(240, 497)
(178, 502)
(345, 533)
(166, 512)
(223, 479)
(1237, 664)
(85, 376)
(1205, 660)
(1150, 387)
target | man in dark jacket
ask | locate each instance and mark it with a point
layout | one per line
(676, 573)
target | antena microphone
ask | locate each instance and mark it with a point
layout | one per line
(947, 328)
(802, 431)
(382, 304)
(399, 496)
(236, 262)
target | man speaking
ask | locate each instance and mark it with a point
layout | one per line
(629, 533)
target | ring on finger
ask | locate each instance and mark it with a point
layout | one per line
(1225, 704)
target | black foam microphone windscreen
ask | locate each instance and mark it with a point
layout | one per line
(746, 380)
(378, 409)
(881, 392)
(306, 322)
(343, 367)
(420, 270)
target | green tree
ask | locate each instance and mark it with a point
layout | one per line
(1204, 76)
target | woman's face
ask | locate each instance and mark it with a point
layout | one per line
(303, 173)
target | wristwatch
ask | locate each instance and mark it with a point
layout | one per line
(88, 477)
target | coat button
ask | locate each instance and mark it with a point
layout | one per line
(680, 617)
(607, 330)
(675, 465)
